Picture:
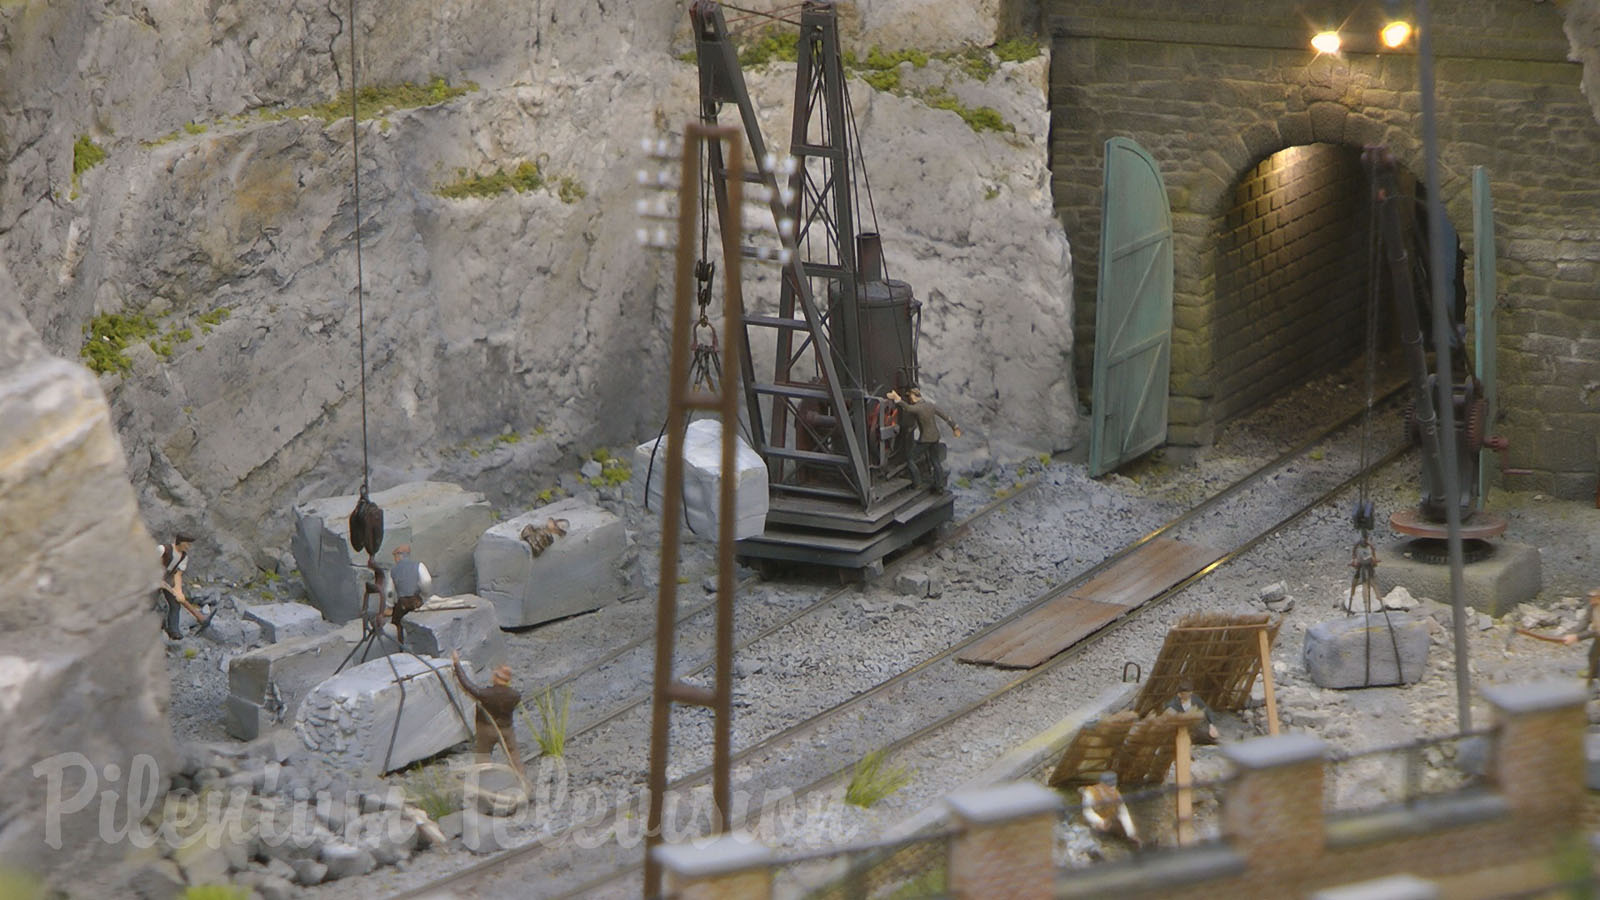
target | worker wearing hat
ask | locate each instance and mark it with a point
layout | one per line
(496, 703)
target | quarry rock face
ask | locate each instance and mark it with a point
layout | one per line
(506, 335)
(83, 689)
(440, 521)
(702, 481)
(578, 571)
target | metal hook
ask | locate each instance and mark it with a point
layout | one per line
(1138, 673)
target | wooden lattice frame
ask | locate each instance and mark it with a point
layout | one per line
(1138, 748)
(1219, 654)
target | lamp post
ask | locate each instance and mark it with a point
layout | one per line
(1438, 266)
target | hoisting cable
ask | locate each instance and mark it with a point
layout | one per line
(1363, 556)
(776, 15)
(366, 520)
(705, 368)
(361, 312)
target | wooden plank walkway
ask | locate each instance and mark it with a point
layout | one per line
(1063, 621)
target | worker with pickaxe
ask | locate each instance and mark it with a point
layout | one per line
(1588, 631)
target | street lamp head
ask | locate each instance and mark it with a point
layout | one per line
(1326, 42)
(1395, 34)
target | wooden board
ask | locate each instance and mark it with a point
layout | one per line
(1060, 622)
(1139, 749)
(1219, 655)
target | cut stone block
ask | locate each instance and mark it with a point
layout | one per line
(1359, 652)
(265, 686)
(355, 720)
(578, 572)
(702, 458)
(474, 631)
(440, 521)
(281, 621)
(1494, 585)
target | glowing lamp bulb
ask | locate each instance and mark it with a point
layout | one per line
(1326, 42)
(1395, 34)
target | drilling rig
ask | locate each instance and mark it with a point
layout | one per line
(842, 333)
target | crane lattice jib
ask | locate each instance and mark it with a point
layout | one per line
(817, 361)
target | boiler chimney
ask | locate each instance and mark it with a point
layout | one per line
(869, 256)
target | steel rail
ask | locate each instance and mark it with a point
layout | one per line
(833, 596)
(951, 537)
(1061, 659)
(1283, 459)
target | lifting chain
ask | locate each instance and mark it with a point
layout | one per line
(705, 370)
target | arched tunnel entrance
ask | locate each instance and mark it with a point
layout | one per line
(1297, 265)
(1294, 274)
(1214, 89)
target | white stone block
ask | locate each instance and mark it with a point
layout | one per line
(577, 572)
(355, 720)
(702, 458)
(440, 521)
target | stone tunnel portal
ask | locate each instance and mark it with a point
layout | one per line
(1295, 273)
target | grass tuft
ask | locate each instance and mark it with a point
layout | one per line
(974, 62)
(773, 46)
(570, 191)
(374, 100)
(434, 792)
(874, 779)
(980, 119)
(551, 731)
(525, 177)
(1017, 49)
(107, 336)
(86, 154)
(614, 470)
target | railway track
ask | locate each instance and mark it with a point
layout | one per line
(589, 852)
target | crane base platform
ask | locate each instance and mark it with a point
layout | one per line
(842, 535)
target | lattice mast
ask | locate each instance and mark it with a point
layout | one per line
(820, 353)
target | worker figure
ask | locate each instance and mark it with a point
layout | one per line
(1590, 631)
(1105, 811)
(1205, 731)
(495, 703)
(174, 562)
(412, 587)
(926, 446)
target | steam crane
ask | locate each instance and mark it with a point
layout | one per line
(843, 333)
(1426, 520)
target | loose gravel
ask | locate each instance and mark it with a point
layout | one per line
(1061, 526)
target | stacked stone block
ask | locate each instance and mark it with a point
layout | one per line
(439, 521)
(577, 572)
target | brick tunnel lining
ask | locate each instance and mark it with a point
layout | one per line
(1293, 274)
